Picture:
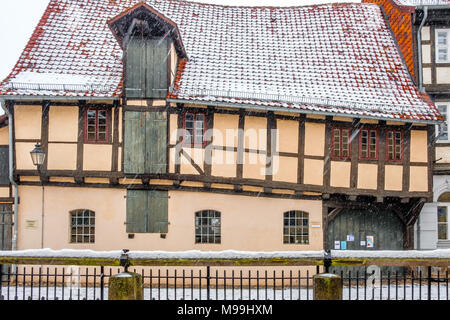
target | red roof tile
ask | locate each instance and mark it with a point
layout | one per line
(337, 58)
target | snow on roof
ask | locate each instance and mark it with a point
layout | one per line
(334, 58)
(416, 3)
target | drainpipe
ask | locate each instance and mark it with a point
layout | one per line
(11, 176)
(419, 48)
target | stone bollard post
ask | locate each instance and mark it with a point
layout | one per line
(327, 286)
(126, 286)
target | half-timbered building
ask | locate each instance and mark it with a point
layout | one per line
(422, 30)
(171, 125)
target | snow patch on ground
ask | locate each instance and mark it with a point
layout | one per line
(229, 254)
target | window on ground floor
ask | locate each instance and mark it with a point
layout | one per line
(442, 223)
(443, 204)
(207, 226)
(296, 227)
(82, 226)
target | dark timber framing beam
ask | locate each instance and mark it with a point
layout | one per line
(44, 137)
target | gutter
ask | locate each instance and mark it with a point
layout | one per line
(11, 176)
(56, 98)
(301, 111)
(419, 48)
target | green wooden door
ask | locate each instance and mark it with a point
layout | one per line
(383, 226)
(147, 211)
(145, 148)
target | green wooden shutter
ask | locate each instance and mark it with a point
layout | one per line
(158, 211)
(135, 141)
(147, 68)
(147, 211)
(145, 148)
(157, 55)
(135, 64)
(137, 211)
(156, 142)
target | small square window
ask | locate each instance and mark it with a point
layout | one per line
(368, 144)
(194, 128)
(96, 129)
(394, 143)
(295, 230)
(207, 227)
(82, 228)
(341, 143)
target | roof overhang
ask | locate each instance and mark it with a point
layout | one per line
(299, 111)
(144, 16)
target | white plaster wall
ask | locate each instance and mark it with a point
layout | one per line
(427, 223)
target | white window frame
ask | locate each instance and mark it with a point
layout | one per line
(440, 46)
(447, 205)
(438, 129)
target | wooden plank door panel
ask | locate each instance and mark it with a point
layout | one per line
(135, 140)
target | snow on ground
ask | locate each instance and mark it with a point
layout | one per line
(407, 292)
(230, 254)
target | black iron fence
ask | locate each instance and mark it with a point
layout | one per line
(215, 283)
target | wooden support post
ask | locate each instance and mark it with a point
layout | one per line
(327, 286)
(126, 286)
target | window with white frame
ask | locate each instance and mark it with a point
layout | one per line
(442, 45)
(442, 223)
(442, 129)
(443, 204)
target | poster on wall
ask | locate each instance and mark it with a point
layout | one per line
(370, 241)
(363, 243)
(337, 245)
(350, 238)
(343, 245)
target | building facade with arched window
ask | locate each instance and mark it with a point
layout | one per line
(432, 228)
(163, 136)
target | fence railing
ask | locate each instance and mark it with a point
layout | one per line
(84, 275)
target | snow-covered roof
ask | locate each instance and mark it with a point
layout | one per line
(334, 58)
(416, 3)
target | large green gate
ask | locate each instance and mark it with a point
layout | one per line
(365, 229)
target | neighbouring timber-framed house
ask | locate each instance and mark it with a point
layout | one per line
(422, 30)
(170, 125)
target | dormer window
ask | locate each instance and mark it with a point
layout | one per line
(147, 73)
(147, 38)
